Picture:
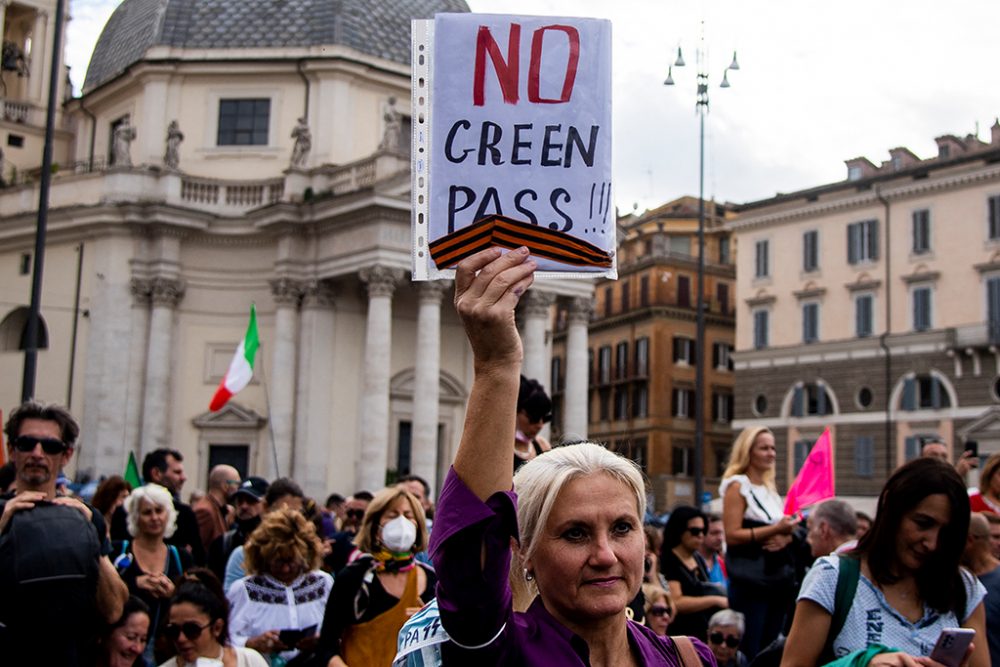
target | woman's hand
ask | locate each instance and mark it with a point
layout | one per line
(776, 542)
(487, 288)
(786, 525)
(266, 642)
(157, 584)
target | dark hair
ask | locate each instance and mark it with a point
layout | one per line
(712, 517)
(678, 523)
(366, 496)
(133, 605)
(531, 398)
(68, 428)
(199, 586)
(281, 487)
(939, 580)
(416, 478)
(157, 460)
(861, 516)
(107, 493)
(334, 499)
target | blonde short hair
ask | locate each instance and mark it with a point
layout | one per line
(282, 532)
(367, 537)
(739, 457)
(539, 481)
(154, 494)
(654, 592)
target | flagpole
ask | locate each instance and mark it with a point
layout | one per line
(267, 403)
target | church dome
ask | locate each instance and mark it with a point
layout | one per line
(379, 28)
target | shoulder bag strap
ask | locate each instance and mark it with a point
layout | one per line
(760, 505)
(685, 651)
(848, 575)
(176, 558)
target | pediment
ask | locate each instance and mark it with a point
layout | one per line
(985, 427)
(232, 415)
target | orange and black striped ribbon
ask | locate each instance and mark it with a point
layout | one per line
(504, 232)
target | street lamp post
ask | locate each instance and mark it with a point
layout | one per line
(701, 108)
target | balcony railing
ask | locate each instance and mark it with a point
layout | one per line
(16, 112)
(978, 335)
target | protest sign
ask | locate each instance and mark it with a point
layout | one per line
(512, 141)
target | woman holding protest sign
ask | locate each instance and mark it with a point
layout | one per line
(760, 558)
(576, 512)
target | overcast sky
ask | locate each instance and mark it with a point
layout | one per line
(820, 82)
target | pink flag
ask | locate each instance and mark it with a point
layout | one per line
(815, 481)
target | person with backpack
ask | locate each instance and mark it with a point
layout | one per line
(893, 595)
(147, 564)
(56, 580)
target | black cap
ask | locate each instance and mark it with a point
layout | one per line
(255, 487)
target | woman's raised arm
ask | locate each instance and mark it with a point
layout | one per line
(488, 286)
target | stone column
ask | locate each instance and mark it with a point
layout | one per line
(36, 69)
(320, 452)
(575, 396)
(536, 309)
(142, 291)
(427, 382)
(286, 293)
(166, 293)
(373, 461)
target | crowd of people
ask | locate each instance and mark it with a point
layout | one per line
(548, 561)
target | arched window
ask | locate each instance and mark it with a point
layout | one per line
(924, 391)
(14, 331)
(811, 399)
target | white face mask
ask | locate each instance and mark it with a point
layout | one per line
(399, 534)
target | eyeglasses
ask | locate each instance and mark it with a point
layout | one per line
(732, 641)
(355, 514)
(658, 610)
(26, 443)
(696, 532)
(190, 629)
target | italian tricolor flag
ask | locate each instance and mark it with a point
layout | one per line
(240, 368)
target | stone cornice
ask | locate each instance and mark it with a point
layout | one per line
(812, 293)
(765, 300)
(863, 285)
(924, 277)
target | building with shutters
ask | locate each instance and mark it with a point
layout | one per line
(642, 355)
(872, 306)
(223, 153)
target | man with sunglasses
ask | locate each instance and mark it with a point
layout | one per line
(40, 441)
(342, 549)
(534, 410)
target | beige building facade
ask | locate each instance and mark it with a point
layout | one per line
(224, 153)
(872, 306)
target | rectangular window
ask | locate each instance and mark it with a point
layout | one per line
(921, 308)
(590, 368)
(722, 408)
(604, 398)
(621, 361)
(760, 326)
(761, 269)
(25, 267)
(621, 403)
(993, 309)
(913, 445)
(684, 291)
(244, 122)
(810, 251)
(684, 350)
(644, 291)
(683, 403)
(642, 357)
(810, 322)
(608, 301)
(864, 315)
(604, 362)
(921, 231)
(680, 245)
(722, 294)
(862, 241)
(994, 217)
(626, 296)
(721, 357)
(557, 379)
(682, 461)
(724, 250)
(863, 456)
(640, 400)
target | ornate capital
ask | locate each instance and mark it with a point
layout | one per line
(141, 288)
(318, 294)
(580, 310)
(536, 303)
(381, 280)
(433, 291)
(286, 291)
(167, 291)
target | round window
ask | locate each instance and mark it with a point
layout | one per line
(865, 397)
(760, 405)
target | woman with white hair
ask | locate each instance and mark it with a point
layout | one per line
(725, 632)
(575, 511)
(147, 564)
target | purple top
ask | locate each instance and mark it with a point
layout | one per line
(475, 604)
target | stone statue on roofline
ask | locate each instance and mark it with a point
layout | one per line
(303, 143)
(121, 143)
(172, 157)
(392, 138)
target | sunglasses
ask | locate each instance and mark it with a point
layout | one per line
(26, 443)
(658, 610)
(696, 532)
(355, 514)
(190, 629)
(732, 641)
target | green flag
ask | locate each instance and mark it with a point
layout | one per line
(132, 472)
